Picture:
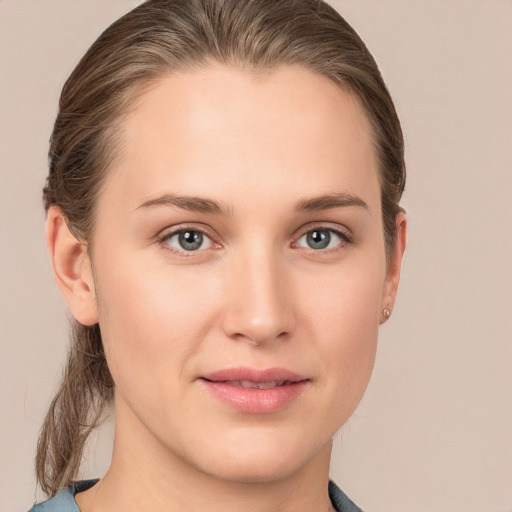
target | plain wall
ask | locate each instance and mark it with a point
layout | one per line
(434, 431)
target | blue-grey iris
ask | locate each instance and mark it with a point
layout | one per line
(190, 240)
(318, 239)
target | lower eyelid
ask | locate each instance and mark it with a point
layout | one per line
(344, 237)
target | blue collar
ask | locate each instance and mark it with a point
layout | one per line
(64, 500)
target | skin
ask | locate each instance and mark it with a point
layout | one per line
(255, 294)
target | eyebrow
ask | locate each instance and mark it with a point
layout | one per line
(209, 206)
(329, 201)
(190, 203)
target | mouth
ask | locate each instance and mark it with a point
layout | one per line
(255, 391)
(257, 385)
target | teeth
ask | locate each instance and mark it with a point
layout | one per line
(271, 384)
(246, 384)
(256, 385)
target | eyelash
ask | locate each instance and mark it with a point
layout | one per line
(345, 238)
(167, 234)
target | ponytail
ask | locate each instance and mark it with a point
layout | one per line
(84, 394)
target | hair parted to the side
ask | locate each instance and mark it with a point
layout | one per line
(154, 39)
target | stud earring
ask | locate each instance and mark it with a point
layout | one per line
(386, 313)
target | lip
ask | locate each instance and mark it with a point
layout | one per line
(222, 385)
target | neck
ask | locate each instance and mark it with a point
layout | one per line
(146, 476)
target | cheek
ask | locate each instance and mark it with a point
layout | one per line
(153, 318)
(344, 318)
(346, 299)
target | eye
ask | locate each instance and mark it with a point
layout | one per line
(188, 240)
(322, 238)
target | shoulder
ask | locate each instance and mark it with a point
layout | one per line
(340, 501)
(64, 500)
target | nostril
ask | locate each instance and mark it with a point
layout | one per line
(257, 318)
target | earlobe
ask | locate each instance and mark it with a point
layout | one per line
(394, 267)
(71, 268)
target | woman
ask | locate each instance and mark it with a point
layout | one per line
(223, 221)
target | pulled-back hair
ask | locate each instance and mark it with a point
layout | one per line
(154, 39)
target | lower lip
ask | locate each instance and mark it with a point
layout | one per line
(254, 400)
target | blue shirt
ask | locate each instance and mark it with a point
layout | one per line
(64, 500)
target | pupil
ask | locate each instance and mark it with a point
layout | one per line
(318, 239)
(190, 240)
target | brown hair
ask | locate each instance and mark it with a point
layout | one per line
(154, 38)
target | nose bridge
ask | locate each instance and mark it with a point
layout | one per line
(259, 308)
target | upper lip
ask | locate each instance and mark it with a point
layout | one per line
(243, 373)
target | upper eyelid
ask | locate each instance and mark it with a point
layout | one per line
(328, 226)
(303, 229)
(172, 230)
(341, 235)
(342, 231)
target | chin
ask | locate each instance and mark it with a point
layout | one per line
(255, 471)
(260, 459)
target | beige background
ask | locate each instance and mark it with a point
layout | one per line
(434, 432)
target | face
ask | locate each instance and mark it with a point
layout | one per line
(240, 269)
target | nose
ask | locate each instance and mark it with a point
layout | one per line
(258, 308)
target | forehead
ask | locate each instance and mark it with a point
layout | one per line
(232, 131)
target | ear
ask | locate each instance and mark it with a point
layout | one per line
(394, 266)
(71, 268)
